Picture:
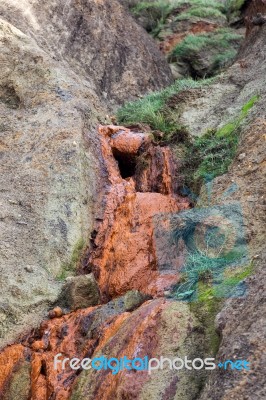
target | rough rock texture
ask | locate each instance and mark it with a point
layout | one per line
(50, 166)
(241, 322)
(136, 182)
(97, 39)
(59, 63)
(221, 101)
(160, 328)
(79, 292)
(251, 13)
(124, 254)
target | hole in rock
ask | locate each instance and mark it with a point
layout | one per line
(9, 97)
(126, 163)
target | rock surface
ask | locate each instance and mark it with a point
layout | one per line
(136, 186)
(125, 255)
(60, 63)
(112, 52)
(199, 38)
(221, 101)
(108, 330)
(79, 292)
(241, 322)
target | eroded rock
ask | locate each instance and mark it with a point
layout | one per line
(157, 328)
(62, 71)
(124, 254)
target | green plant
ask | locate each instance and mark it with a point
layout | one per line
(211, 154)
(205, 4)
(154, 12)
(219, 39)
(206, 308)
(248, 105)
(233, 8)
(208, 12)
(207, 53)
(199, 265)
(151, 109)
(231, 279)
(225, 58)
(234, 5)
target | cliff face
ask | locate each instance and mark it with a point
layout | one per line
(82, 197)
(97, 40)
(60, 63)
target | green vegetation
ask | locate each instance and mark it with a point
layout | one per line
(209, 300)
(68, 269)
(152, 109)
(211, 154)
(202, 12)
(234, 5)
(220, 47)
(159, 8)
(222, 59)
(207, 156)
(206, 308)
(231, 278)
(200, 267)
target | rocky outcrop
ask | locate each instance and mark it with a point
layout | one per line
(124, 239)
(125, 255)
(50, 167)
(111, 51)
(60, 63)
(107, 330)
(208, 108)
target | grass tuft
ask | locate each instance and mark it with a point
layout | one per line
(151, 109)
(210, 155)
(220, 39)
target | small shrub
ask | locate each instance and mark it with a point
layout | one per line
(221, 60)
(199, 265)
(234, 5)
(154, 12)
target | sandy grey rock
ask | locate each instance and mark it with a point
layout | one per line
(241, 322)
(19, 385)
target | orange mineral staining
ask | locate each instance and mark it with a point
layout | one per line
(125, 251)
